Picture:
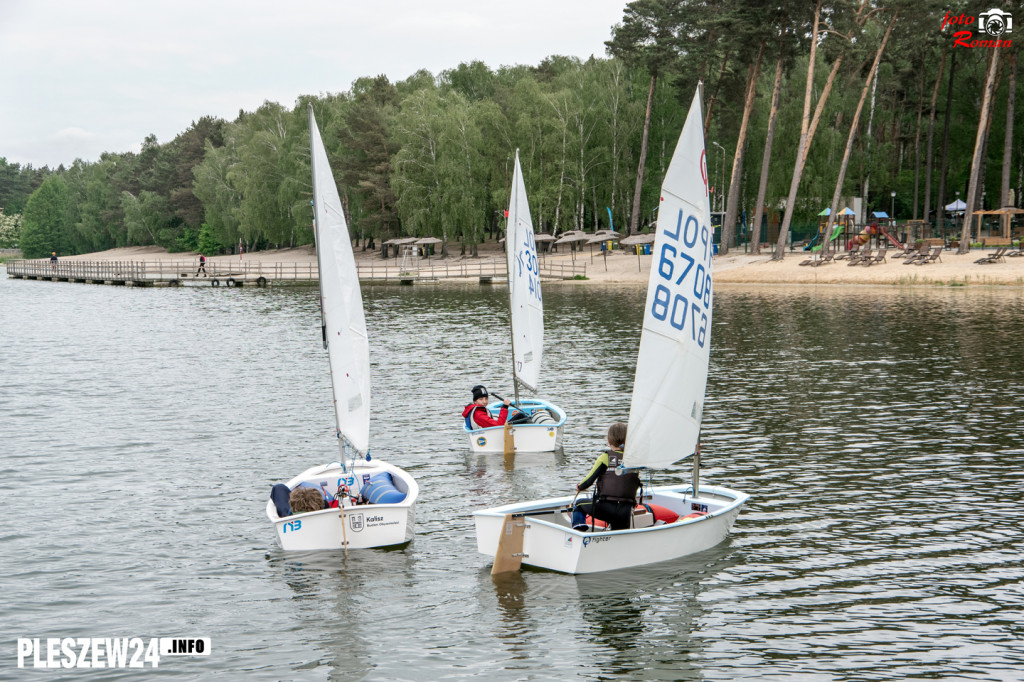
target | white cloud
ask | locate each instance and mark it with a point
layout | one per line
(73, 135)
(122, 69)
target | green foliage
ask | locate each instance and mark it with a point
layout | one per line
(10, 229)
(207, 242)
(187, 241)
(44, 226)
(17, 184)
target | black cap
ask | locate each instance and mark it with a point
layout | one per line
(479, 392)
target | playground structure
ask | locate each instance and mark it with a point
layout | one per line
(844, 223)
(846, 230)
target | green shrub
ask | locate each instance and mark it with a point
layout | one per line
(187, 241)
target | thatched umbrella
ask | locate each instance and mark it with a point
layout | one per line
(636, 239)
(425, 243)
(600, 237)
(572, 236)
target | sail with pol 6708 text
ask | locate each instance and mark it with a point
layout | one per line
(341, 303)
(672, 365)
(525, 303)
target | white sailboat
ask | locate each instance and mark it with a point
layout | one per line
(543, 430)
(665, 412)
(375, 500)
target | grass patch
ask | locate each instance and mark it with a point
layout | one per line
(581, 277)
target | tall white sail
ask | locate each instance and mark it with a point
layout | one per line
(341, 303)
(672, 366)
(525, 302)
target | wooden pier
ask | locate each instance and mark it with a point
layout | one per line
(254, 273)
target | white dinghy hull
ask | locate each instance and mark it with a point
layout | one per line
(527, 437)
(362, 526)
(550, 542)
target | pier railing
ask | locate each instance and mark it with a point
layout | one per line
(160, 270)
(176, 271)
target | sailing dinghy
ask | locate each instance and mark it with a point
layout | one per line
(665, 412)
(373, 500)
(542, 432)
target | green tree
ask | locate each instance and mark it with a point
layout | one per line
(10, 230)
(146, 218)
(366, 164)
(44, 226)
(221, 198)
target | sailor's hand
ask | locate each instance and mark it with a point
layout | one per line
(507, 402)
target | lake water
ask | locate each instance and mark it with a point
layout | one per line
(879, 432)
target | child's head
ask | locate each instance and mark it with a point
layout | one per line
(617, 435)
(304, 499)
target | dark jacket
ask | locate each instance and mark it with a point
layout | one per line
(611, 486)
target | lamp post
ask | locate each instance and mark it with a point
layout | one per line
(961, 213)
(721, 186)
(892, 211)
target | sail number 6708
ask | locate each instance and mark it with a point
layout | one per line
(672, 302)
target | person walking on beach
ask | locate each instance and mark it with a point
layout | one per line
(615, 492)
(53, 260)
(202, 265)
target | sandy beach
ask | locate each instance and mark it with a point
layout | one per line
(623, 266)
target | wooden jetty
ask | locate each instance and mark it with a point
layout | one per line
(253, 273)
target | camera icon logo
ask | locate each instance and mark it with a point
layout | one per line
(995, 22)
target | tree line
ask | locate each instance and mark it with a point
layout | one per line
(833, 99)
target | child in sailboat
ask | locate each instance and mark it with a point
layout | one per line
(476, 414)
(615, 492)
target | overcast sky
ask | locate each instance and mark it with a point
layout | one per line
(81, 77)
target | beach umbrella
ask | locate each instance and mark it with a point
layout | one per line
(572, 236)
(637, 239)
(600, 237)
(426, 242)
(543, 238)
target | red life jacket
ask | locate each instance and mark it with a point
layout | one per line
(478, 418)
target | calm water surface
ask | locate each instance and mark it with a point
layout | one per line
(879, 432)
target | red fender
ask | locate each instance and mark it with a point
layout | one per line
(660, 514)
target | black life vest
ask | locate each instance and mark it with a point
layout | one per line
(617, 487)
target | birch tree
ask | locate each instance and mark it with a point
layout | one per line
(979, 141)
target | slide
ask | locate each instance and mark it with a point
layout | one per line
(835, 234)
(895, 242)
(871, 229)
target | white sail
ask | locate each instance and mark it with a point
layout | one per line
(341, 303)
(672, 366)
(525, 302)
